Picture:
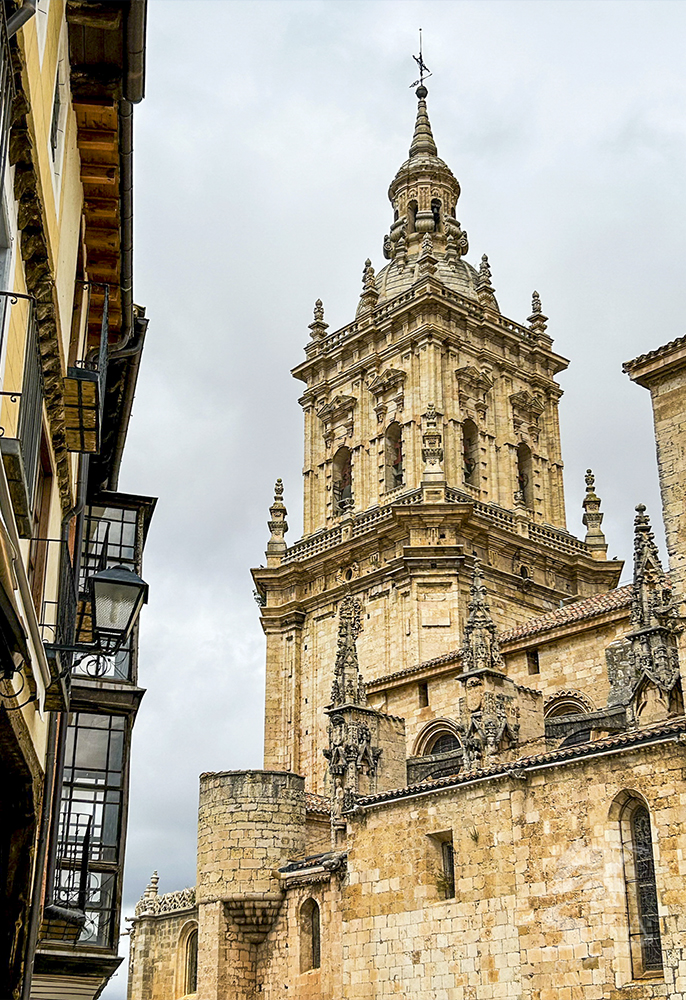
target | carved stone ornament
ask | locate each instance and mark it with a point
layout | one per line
(278, 526)
(537, 321)
(526, 409)
(432, 446)
(593, 518)
(472, 382)
(339, 406)
(643, 668)
(153, 904)
(337, 417)
(318, 328)
(480, 647)
(388, 381)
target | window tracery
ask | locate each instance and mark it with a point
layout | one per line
(641, 890)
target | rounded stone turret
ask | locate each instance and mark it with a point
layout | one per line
(249, 823)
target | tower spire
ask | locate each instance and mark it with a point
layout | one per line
(423, 143)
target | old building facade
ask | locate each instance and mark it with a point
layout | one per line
(70, 347)
(474, 738)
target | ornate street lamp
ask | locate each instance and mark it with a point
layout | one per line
(117, 595)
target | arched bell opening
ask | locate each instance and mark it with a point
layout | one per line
(436, 211)
(470, 453)
(524, 475)
(393, 455)
(411, 216)
(342, 476)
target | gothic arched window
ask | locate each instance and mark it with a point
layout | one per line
(524, 484)
(641, 890)
(470, 452)
(342, 480)
(393, 453)
(310, 942)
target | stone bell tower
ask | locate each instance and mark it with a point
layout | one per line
(431, 438)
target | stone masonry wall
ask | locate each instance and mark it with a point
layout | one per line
(279, 968)
(157, 953)
(539, 910)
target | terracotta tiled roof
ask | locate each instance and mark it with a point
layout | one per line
(589, 607)
(642, 358)
(317, 803)
(517, 768)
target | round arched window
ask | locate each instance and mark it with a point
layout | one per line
(445, 743)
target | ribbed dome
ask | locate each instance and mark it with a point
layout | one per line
(394, 279)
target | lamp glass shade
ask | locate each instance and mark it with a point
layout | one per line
(118, 596)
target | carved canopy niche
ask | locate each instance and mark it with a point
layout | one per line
(387, 389)
(526, 409)
(337, 418)
(473, 386)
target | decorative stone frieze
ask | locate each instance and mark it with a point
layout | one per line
(152, 903)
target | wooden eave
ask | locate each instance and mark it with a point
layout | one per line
(98, 141)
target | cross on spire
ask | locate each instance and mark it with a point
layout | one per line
(423, 69)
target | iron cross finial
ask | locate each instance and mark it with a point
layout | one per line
(424, 70)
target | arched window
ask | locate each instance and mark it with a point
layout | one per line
(393, 453)
(641, 890)
(566, 703)
(436, 212)
(438, 736)
(310, 942)
(189, 960)
(342, 480)
(445, 743)
(411, 216)
(470, 452)
(524, 484)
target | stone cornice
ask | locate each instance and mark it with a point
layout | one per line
(491, 322)
(650, 368)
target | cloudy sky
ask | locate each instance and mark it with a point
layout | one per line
(264, 150)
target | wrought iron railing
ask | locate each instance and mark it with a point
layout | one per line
(53, 583)
(6, 92)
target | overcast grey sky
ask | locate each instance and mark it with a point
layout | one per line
(264, 150)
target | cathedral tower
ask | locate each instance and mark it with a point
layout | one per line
(431, 437)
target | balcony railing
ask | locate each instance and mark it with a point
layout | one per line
(53, 583)
(84, 392)
(21, 410)
(6, 93)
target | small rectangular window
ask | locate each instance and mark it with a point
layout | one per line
(448, 868)
(423, 694)
(443, 863)
(532, 661)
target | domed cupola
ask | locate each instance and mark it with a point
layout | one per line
(424, 195)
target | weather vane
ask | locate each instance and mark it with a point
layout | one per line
(423, 68)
